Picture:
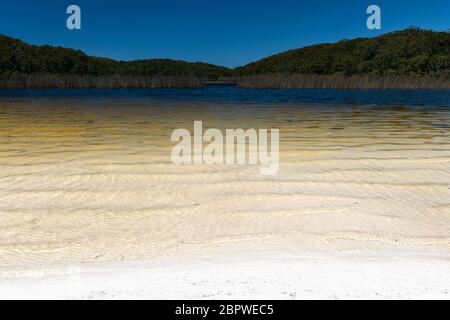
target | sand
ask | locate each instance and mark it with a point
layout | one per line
(272, 276)
(93, 189)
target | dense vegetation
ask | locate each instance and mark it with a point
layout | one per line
(412, 58)
(18, 59)
(412, 52)
(314, 81)
(67, 81)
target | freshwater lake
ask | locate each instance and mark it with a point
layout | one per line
(231, 93)
(86, 175)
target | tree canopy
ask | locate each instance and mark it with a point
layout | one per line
(411, 52)
(19, 57)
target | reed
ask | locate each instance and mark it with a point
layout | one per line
(65, 81)
(300, 81)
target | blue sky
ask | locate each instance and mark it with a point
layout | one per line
(224, 32)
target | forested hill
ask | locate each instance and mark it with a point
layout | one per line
(409, 59)
(412, 52)
(408, 52)
(19, 57)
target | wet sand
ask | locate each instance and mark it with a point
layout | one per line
(85, 182)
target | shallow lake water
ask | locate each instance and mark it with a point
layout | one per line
(86, 175)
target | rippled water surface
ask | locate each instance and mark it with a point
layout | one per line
(86, 174)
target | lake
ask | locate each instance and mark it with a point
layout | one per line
(231, 93)
(86, 174)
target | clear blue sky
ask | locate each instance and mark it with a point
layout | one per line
(224, 32)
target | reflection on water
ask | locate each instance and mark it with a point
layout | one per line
(87, 174)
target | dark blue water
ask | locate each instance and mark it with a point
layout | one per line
(233, 94)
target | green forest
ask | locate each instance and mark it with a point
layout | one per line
(411, 52)
(398, 56)
(17, 56)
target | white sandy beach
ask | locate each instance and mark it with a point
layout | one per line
(91, 207)
(271, 277)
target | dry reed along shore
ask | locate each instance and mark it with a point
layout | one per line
(277, 81)
(19, 80)
(298, 81)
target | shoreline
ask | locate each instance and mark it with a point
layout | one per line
(257, 81)
(274, 275)
(340, 82)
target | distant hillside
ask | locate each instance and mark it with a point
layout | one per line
(18, 59)
(408, 59)
(412, 52)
